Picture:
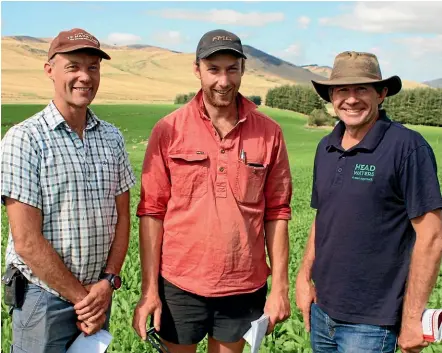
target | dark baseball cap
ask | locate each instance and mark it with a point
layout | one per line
(75, 39)
(217, 40)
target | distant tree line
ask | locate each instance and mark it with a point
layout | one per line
(301, 99)
(320, 117)
(419, 106)
(184, 98)
(255, 99)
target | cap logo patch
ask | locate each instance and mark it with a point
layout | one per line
(221, 38)
(83, 36)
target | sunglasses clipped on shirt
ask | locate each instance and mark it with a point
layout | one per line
(155, 341)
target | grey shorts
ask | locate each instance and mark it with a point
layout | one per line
(44, 324)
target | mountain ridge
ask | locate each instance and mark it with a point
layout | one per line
(138, 73)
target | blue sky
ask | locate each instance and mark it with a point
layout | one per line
(406, 36)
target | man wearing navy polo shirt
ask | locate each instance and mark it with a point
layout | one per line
(375, 246)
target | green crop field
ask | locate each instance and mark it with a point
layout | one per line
(136, 122)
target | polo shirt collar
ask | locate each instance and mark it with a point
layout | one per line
(245, 106)
(369, 142)
(54, 118)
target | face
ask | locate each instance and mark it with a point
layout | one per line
(76, 77)
(356, 105)
(220, 76)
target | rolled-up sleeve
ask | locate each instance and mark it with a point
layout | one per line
(278, 186)
(155, 176)
(20, 168)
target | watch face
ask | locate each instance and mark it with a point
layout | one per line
(116, 282)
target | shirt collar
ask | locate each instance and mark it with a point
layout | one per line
(370, 141)
(245, 106)
(54, 118)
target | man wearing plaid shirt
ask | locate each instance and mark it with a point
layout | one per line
(65, 183)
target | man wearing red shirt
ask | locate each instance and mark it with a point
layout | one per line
(215, 192)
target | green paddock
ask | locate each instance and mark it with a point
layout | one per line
(136, 122)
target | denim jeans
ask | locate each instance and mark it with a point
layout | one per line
(44, 324)
(333, 336)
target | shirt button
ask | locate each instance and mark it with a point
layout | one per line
(221, 169)
(223, 151)
(339, 170)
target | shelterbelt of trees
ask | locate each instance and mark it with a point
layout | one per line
(418, 106)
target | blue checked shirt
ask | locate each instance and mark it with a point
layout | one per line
(73, 182)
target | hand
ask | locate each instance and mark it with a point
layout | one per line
(96, 303)
(277, 308)
(305, 296)
(411, 337)
(89, 328)
(149, 305)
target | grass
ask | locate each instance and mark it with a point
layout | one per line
(136, 122)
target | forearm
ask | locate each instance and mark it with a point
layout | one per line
(309, 255)
(277, 241)
(119, 246)
(38, 254)
(47, 265)
(151, 239)
(424, 269)
(120, 242)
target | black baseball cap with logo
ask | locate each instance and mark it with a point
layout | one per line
(218, 40)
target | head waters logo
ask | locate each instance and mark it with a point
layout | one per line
(364, 172)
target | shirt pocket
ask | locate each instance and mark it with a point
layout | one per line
(249, 183)
(188, 173)
(107, 176)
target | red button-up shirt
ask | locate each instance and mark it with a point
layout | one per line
(213, 199)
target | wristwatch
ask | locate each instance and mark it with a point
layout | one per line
(114, 280)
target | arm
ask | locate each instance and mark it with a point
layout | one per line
(424, 268)
(155, 194)
(305, 290)
(151, 239)
(278, 192)
(120, 243)
(22, 196)
(277, 306)
(46, 264)
(277, 241)
(97, 302)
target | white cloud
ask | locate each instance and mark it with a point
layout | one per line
(243, 36)
(169, 37)
(293, 53)
(224, 17)
(303, 22)
(383, 17)
(293, 50)
(122, 39)
(419, 47)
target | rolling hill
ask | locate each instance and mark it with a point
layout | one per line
(136, 73)
(435, 83)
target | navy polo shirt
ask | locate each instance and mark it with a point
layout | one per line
(365, 198)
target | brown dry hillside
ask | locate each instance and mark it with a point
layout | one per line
(136, 74)
(326, 71)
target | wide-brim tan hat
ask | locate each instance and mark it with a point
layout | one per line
(352, 68)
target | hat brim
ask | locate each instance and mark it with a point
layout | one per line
(99, 52)
(393, 84)
(211, 51)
